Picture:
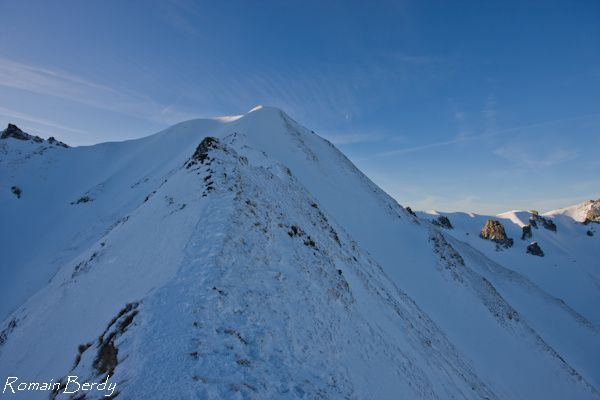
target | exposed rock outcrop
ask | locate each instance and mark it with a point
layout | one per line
(442, 222)
(526, 232)
(494, 230)
(82, 199)
(55, 142)
(545, 221)
(14, 132)
(593, 214)
(548, 224)
(16, 191)
(535, 249)
(533, 222)
(201, 153)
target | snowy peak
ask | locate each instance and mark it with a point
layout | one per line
(586, 212)
(256, 108)
(565, 242)
(266, 110)
(14, 132)
(312, 314)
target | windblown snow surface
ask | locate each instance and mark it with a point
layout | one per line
(247, 258)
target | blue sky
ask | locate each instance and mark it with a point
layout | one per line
(450, 105)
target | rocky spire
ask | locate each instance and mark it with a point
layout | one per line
(494, 230)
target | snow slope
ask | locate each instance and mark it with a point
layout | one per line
(263, 264)
(570, 267)
(578, 212)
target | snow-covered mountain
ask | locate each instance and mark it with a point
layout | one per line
(568, 263)
(246, 257)
(586, 212)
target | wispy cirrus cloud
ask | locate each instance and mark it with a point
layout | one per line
(37, 120)
(43, 80)
(461, 137)
(56, 83)
(455, 140)
(299, 91)
(317, 94)
(178, 15)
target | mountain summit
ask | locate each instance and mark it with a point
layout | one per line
(246, 257)
(14, 132)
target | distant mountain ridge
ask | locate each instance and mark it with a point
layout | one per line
(586, 212)
(565, 239)
(14, 132)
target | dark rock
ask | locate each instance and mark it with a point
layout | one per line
(410, 211)
(7, 331)
(533, 222)
(309, 242)
(526, 232)
(590, 233)
(546, 222)
(549, 224)
(16, 191)
(295, 231)
(535, 249)
(13, 131)
(201, 153)
(55, 142)
(82, 199)
(106, 358)
(442, 222)
(494, 230)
